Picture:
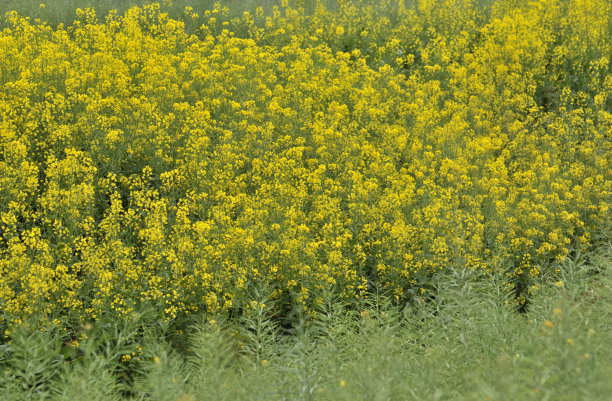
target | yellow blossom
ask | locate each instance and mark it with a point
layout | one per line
(146, 161)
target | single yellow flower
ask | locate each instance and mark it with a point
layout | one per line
(342, 383)
(186, 396)
(548, 323)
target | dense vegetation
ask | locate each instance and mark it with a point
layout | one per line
(273, 166)
(465, 345)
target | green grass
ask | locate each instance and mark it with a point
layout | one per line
(465, 344)
(63, 11)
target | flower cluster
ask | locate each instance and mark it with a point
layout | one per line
(179, 162)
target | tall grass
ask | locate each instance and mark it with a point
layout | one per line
(63, 11)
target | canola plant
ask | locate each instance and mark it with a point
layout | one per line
(180, 162)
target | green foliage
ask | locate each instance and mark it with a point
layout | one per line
(30, 362)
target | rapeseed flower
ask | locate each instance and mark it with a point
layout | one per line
(142, 163)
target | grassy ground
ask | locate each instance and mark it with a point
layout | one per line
(63, 11)
(463, 345)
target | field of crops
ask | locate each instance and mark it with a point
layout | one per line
(173, 162)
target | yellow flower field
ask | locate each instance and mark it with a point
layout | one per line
(183, 163)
